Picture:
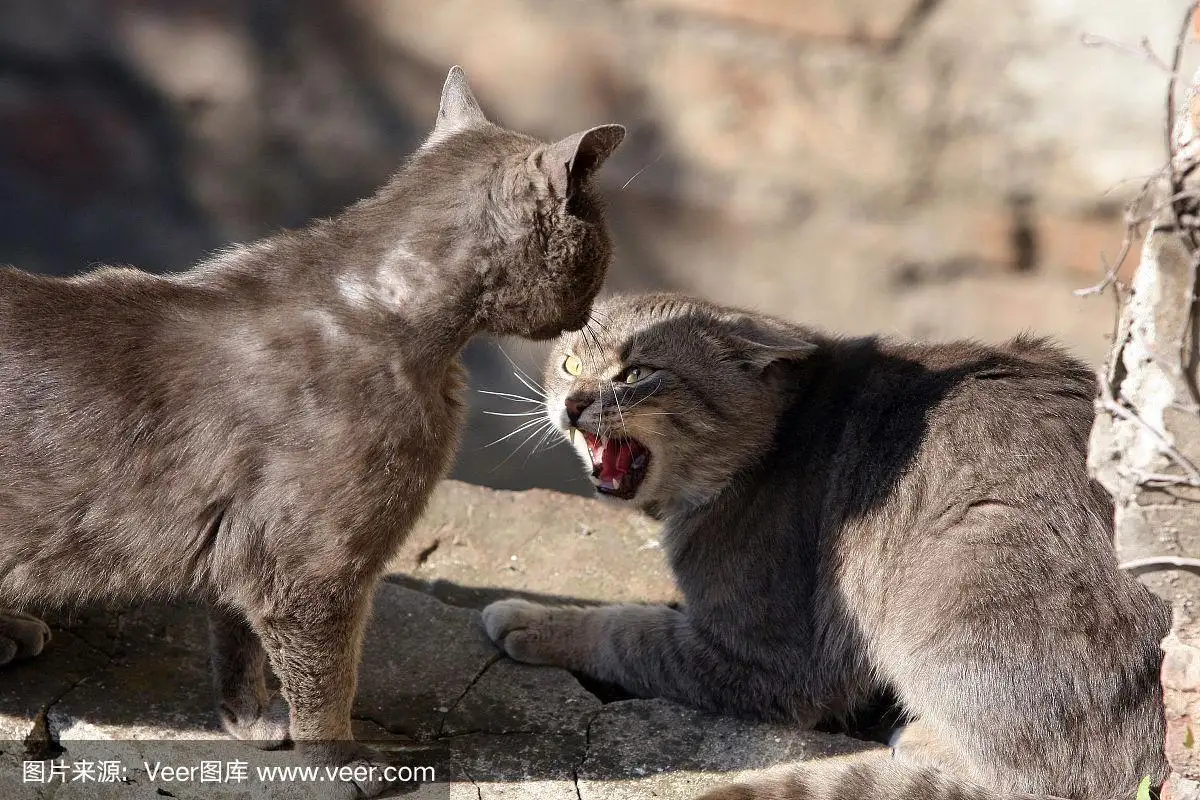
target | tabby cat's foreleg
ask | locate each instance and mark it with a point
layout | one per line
(650, 651)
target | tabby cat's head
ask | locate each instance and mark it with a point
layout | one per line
(665, 398)
(522, 214)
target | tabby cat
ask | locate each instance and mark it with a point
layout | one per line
(845, 515)
(260, 432)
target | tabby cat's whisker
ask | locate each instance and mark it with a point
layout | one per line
(530, 386)
(524, 377)
(524, 442)
(546, 437)
(510, 396)
(620, 413)
(524, 426)
(647, 397)
(514, 413)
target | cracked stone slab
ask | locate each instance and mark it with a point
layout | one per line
(420, 657)
(653, 748)
(517, 698)
(522, 766)
(133, 687)
(155, 686)
(26, 687)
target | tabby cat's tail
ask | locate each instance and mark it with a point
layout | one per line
(873, 776)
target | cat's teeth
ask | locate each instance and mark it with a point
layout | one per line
(616, 484)
(571, 435)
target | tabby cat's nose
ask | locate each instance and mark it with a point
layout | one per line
(576, 405)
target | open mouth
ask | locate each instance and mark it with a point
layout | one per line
(618, 465)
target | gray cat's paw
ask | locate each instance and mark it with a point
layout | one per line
(265, 728)
(526, 631)
(360, 771)
(21, 636)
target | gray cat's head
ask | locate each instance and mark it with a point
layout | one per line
(665, 397)
(521, 216)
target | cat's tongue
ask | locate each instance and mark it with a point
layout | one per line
(617, 458)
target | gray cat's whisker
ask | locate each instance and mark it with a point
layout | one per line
(654, 161)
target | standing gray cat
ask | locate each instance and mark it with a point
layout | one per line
(262, 431)
(844, 515)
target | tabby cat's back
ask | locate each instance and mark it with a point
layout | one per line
(845, 515)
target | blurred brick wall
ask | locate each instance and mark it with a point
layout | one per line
(916, 167)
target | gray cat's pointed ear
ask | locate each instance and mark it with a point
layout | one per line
(763, 341)
(571, 161)
(458, 110)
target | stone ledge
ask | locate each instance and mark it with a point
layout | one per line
(432, 690)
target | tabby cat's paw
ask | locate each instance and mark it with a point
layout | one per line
(527, 632)
(21, 636)
(266, 728)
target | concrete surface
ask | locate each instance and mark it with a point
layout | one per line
(132, 685)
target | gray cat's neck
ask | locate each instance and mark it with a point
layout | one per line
(353, 277)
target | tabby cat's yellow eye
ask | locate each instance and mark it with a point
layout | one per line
(573, 366)
(634, 374)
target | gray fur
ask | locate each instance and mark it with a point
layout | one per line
(261, 432)
(844, 515)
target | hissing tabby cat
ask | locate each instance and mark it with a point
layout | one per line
(262, 431)
(848, 514)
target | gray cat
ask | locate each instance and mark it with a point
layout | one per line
(261, 432)
(845, 515)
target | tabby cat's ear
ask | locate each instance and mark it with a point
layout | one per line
(763, 341)
(571, 161)
(459, 110)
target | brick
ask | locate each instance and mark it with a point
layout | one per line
(825, 19)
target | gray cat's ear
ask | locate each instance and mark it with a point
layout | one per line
(459, 110)
(763, 341)
(571, 161)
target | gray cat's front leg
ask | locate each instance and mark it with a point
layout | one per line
(313, 642)
(650, 651)
(21, 636)
(247, 709)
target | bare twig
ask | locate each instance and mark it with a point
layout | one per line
(1161, 562)
(1143, 51)
(1133, 222)
(1172, 151)
(1119, 409)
